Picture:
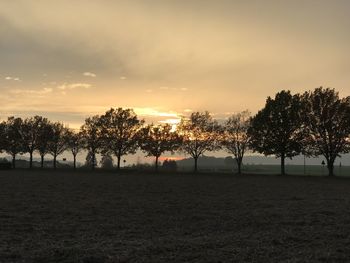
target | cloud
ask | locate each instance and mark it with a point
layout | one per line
(71, 86)
(154, 112)
(123, 78)
(12, 78)
(32, 91)
(89, 74)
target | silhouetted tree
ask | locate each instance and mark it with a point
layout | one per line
(13, 143)
(107, 161)
(91, 137)
(29, 133)
(58, 142)
(235, 137)
(199, 134)
(44, 136)
(276, 129)
(154, 140)
(327, 124)
(90, 160)
(119, 129)
(74, 144)
(169, 165)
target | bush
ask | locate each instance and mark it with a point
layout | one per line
(169, 165)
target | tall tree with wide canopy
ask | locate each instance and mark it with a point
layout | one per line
(58, 142)
(235, 139)
(44, 136)
(30, 131)
(74, 144)
(120, 130)
(199, 134)
(327, 124)
(13, 139)
(276, 129)
(91, 138)
(154, 140)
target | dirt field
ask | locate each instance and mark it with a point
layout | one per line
(104, 217)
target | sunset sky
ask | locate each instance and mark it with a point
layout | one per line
(70, 59)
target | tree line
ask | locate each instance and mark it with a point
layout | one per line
(313, 123)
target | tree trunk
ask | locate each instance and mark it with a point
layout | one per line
(195, 164)
(13, 161)
(93, 156)
(330, 166)
(282, 164)
(118, 164)
(74, 161)
(31, 159)
(42, 161)
(239, 164)
(54, 161)
(157, 163)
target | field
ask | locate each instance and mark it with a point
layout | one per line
(309, 170)
(48, 216)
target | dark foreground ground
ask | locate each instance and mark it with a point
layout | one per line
(67, 217)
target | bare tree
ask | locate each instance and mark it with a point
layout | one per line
(14, 144)
(44, 136)
(154, 140)
(200, 134)
(58, 142)
(91, 138)
(75, 144)
(119, 129)
(235, 137)
(327, 124)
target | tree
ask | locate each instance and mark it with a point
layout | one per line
(154, 140)
(235, 137)
(119, 131)
(276, 129)
(3, 139)
(58, 142)
(107, 161)
(29, 133)
(169, 165)
(13, 139)
(91, 137)
(74, 144)
(44, 136)
(90, 160)
(327, 124)
(199, 134)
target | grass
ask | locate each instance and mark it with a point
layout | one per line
(48, 216)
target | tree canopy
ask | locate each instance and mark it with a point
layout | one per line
(235, 139)
(327, 124)
(199, 134)
(119, 132)
(154, 140)
(276, 129)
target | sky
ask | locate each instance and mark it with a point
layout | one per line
(68, 60)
